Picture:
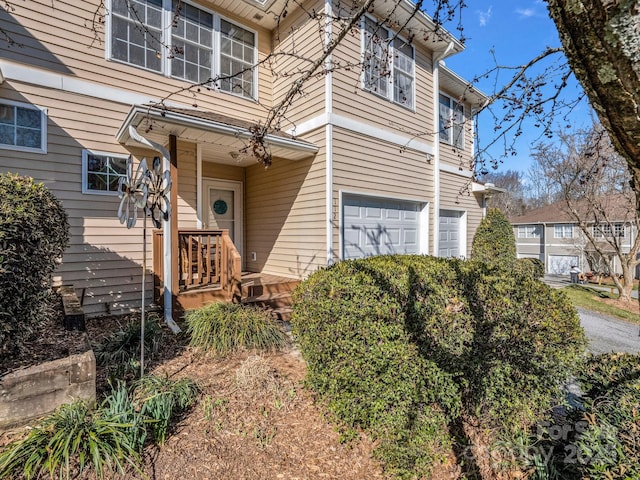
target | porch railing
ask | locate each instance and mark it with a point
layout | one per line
(206, 258)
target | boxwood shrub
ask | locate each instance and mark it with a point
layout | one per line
(494, 242)
(33, 235)
(402, 346)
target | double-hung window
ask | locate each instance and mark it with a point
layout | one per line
(23, 127)
(183, 41)
(102, 171)
(529, 231)
(562, 230)
(451, 121)
(388, 64)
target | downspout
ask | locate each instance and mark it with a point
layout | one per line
(166, 232)
(436, 145)
(328, 107)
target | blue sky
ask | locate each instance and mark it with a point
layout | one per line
(517, 31)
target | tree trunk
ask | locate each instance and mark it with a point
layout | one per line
(602, 43)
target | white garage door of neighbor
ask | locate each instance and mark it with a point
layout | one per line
(561, 264)
(377, 226)
(449, 233)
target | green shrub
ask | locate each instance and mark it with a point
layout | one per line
(72, 438)
(530, 267)
(527, 339)
(599, 437)
(494, 242)
(226, 327)
(393, 340)
(33, 235)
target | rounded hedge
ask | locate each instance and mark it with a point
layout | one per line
(393, 340)
(34, 232)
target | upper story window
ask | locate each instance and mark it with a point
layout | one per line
(563, 231)
(183, 41)
(389, 64)
(608, 230)
(451, 121)
(23, 127)
(529, 231)
(102, 171)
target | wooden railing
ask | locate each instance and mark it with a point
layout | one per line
(206, 258)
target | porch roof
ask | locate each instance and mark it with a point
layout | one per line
(225, 136)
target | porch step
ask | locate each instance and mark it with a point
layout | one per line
(278, 303)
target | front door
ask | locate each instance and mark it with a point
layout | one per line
(223, 209)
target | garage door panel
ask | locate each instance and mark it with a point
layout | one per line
(379, 226)
(449, 233)
(561, 264)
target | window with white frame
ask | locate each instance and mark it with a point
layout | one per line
(389, 64)
(181, 40)
(608, 230)
(529, 231)
(102, 171)
(22, 127)
(561, 230)
(451, 117)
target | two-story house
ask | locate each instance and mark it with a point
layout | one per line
(370, 159)
(553, 236)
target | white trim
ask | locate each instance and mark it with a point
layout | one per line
(66, 83)
(237, 188)
(199, 186)
(455, 170)
(357, 126)
(43, 128)
(423, 218)
(85, 171)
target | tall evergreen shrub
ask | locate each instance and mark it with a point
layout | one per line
(494, 242)
(34, 232)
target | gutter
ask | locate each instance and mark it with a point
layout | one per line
(437, 57)
(166, 233)
(139, 112)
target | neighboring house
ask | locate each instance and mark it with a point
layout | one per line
(355, 180)
(551, 235)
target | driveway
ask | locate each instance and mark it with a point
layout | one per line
(605, 334)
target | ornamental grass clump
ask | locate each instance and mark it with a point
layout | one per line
(70, 440)
(107, 440)
(223, 328)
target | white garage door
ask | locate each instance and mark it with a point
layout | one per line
(373, 226)
(449, 234)
(561, 264)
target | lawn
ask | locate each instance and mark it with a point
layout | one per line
(590, 298)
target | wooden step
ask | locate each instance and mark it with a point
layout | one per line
(273, 300)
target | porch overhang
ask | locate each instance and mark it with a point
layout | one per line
(486, 188)
(224, 137)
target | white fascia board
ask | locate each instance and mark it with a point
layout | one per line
(456, 171)
(139, 112)
(356, 126)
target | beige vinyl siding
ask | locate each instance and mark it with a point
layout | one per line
(373, 167)
(304, 37)
(187, 185)
(58, 38)
(350, 100)
(285, 216)
(221, 171)
(104, 258)
(455, 194)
